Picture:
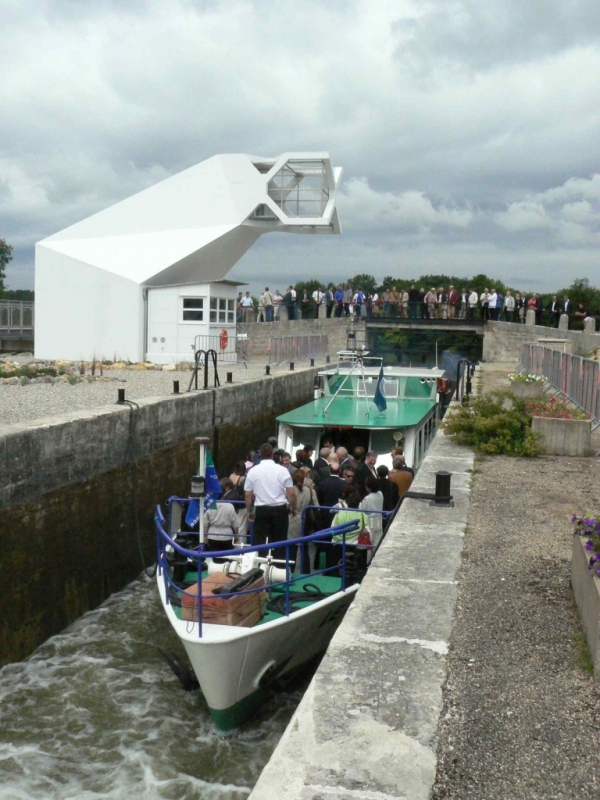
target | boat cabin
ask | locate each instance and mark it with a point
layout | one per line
(344, 409)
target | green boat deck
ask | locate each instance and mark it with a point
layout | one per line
(352, 412)
(325, 583)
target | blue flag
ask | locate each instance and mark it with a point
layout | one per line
(212, 487)
(379, 398)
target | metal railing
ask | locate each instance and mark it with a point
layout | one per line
(16, 319)
(223, 345)
(164, 541)
(574, 377)
(284, 349)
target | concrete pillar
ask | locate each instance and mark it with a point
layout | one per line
(530, 318)
(563, 322)
(283, 314)
(322, 311)
(589, 325)
(298, 312)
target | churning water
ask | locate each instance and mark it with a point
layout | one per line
(96, 713)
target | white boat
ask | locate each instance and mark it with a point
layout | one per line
(343, 409)
(237, 666)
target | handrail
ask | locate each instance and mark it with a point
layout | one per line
(194, 379)
(164, 540)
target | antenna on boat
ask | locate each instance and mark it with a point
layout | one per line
(436, 355)
(202, 441)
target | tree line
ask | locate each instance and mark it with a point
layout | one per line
(580, 291)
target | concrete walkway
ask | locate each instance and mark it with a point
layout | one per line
(366, 727)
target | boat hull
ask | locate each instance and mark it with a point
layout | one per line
(236, 667)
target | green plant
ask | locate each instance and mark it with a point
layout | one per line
(555, 408)
(496, 424)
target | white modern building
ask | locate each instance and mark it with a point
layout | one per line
(142, 279)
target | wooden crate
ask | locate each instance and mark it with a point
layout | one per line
(244, 610)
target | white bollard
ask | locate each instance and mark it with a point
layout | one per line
(530, 318)
(322, 311)
(283, 313)
(589, 325)
(563, 322)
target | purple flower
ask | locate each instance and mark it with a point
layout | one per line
(589, 521)
(589, 545)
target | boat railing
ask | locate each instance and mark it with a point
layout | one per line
(164, 540)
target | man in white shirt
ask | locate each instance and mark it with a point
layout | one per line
(473, 299)
(268, 490)
(247, 307)
(318, 296)
(492, 305)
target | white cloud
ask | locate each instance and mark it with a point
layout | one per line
(467, 132)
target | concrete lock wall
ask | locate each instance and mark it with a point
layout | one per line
(367, 724)
(335, 329)
(502, 341)
(73, 490)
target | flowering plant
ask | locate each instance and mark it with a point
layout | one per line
(555, 408)
(590, 527)
(525, 377)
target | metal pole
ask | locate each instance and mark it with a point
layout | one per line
(202, 442)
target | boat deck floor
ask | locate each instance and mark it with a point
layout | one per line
(325, 583)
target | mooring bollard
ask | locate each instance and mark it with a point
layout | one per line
(291, 365)
(328, 359)
(267, 370)
(312, 362)
(230, 377)
(175, 387)
(121, 396)
(442, 487)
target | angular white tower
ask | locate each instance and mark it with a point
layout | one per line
(92, 279)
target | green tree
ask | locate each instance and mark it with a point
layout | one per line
(5, 258)
(366, 282)
(580, 291)
(312, 285)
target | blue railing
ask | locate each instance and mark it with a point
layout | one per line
(164, 540)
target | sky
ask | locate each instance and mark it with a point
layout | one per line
(468, 132)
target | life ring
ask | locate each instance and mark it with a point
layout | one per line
(223, 339)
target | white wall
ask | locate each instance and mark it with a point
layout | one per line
(82, 312)
(170, 337)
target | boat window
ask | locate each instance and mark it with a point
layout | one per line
(418, 388)
(368, 386)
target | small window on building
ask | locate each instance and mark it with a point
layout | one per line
(193, 309)
(213, 309)
(231, 312)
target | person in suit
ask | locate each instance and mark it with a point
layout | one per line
(388, 489)
(555, 311)
(329, 489)
(366, 470)
(321, 464)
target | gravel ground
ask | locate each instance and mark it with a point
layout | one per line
(40, 400)
(521, 716)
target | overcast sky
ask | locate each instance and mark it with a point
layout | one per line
(468, 132)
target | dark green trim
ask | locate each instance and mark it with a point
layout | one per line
(226, 719)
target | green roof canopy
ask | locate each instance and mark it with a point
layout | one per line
(352, 412)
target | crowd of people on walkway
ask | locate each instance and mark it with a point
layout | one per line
(414, 303)
(272, 490)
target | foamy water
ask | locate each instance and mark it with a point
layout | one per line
(96, 713)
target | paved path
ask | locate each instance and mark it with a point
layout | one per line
(521, 717)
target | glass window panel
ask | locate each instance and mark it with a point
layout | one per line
(213, 316)
(213, 302)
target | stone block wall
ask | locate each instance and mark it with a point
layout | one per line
(78, 493)
(335, 329)
(502, 341)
